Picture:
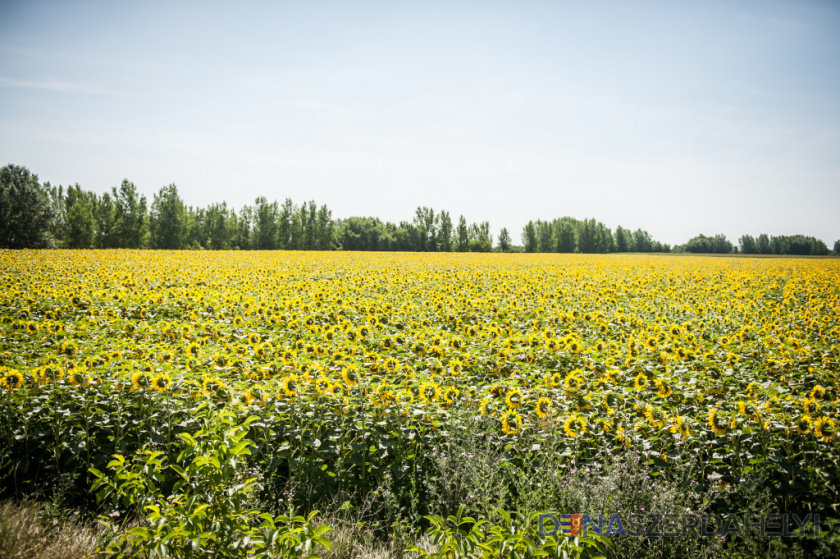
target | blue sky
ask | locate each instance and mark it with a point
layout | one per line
(677, 117)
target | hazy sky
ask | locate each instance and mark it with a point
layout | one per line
(677, 117)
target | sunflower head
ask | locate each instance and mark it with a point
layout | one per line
(824, 428)
(451, 394)
(221, 360)
(139, 380)
(429, 392)
(511, 422)
(572, 383)
(514, 399)
(641, 381)
(289, 386)
(12, 380)
(543, 407)
(818, 393)
(350, 375)
(811, 406)
(718, 421)
(575, 425)
(254, 395)
(497, 391)
(161, 382)
(392, 365)
(803, 425)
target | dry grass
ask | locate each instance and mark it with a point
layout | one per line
(25, 535)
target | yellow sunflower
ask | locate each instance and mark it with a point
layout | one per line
(12, 380)
(575, 425)
(818, 393)
(718, 421)
(429, 392)
(139, 380)
(664, 388)
(392, 366)
(543, 407)
(573, 382)
(350, 375)
(451, 394)
(161, 382)
(254, 395)
(803, 425)
(824, 428)
(289, 385)
(514, 399)
(641, 381)
(322, 385)
(511, 422)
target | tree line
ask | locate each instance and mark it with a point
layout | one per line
(35, 215)
(568, 234)
(763, 244)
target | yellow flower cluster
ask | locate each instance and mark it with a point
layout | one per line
(592, 348)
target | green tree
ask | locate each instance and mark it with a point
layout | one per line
(103, 217)
(79, 223)
(748, 244)
(425, 228)
(129, 216)
(545, 236)
(480, 238)
(529, 237)
(244, 227)
(642, 241)
(504, 240)
(25, 213)
(764, 244)
(168, 221)
(265, 224)
(325, 229)
(444, 228)
(310, 235)
(837, 247)
(219, 226)
(623, 240)
(58, 211)
(284, 225)
(565, 233)
(463, 235)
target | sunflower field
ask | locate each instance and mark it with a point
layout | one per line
(350, 373)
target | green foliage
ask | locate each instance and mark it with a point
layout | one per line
(514, 537)
(504, 240)
(783, 244)
(567, 235)
(25, 212)
(130, 219)
(168, 220)
(208, 509)
(33, 216)
(707, 245)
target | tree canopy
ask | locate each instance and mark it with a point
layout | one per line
(33, 215)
